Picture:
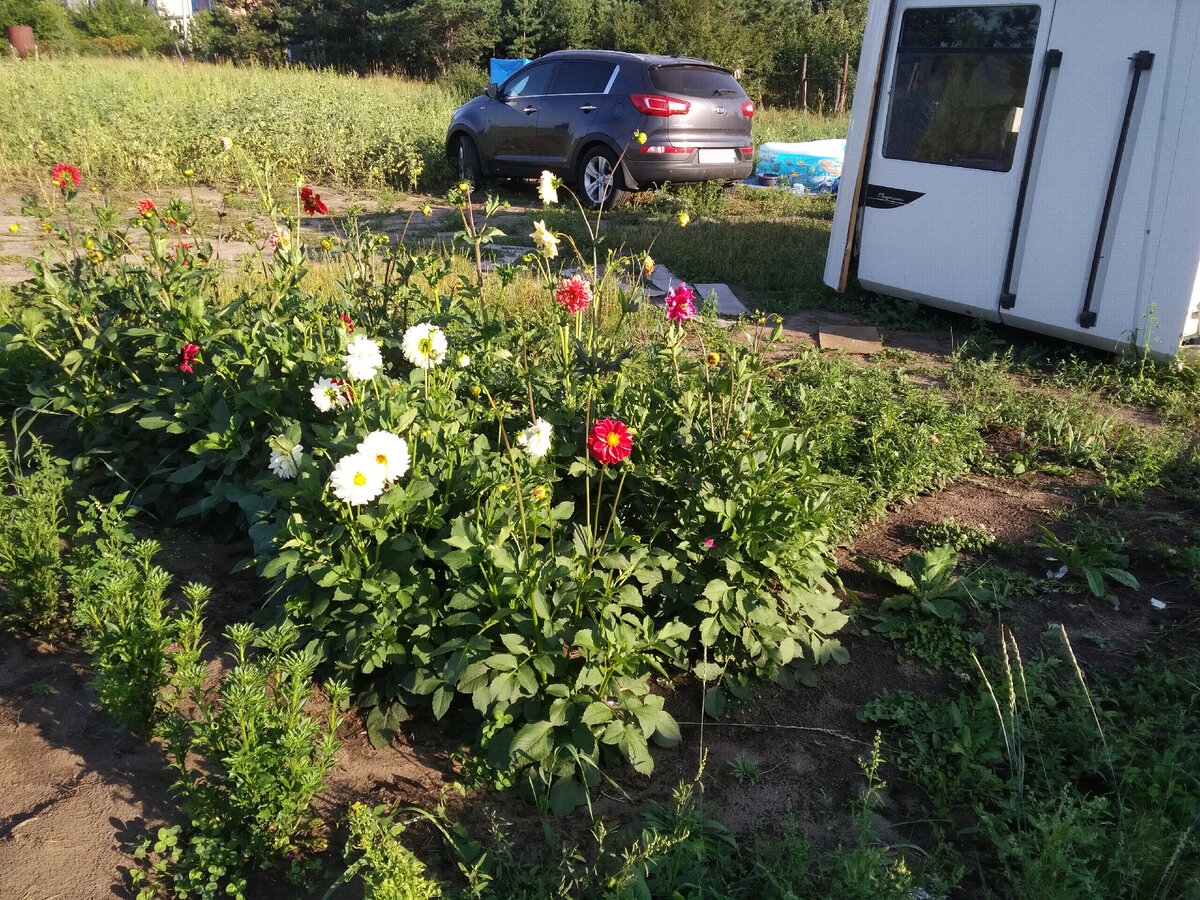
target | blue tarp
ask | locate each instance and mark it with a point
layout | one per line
(502, 68)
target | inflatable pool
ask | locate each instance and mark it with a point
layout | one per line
(816, 165)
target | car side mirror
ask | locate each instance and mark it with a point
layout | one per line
(492, 90)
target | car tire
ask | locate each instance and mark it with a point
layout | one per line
(469, 167)
(600, 180)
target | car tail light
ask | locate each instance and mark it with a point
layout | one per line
(658, 105)
(748, 109)
(663, 148)
(747, 151)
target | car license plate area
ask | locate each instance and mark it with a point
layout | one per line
(710, 157)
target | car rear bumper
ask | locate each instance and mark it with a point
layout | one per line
(644, 169)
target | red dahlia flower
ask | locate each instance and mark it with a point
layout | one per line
(610, 441)
(312, 202)
(187, 353)
(146, 208)
(573, 294)
(681, 304)
(65, 176)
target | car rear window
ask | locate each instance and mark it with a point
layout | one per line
(695, 81)
(583, 77)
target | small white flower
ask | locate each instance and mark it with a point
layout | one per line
(389, 450)
(424, 345)
(281, 239)
(357, 479)
(327, 393)
(546, 188)
(285, 457)
(363, 359)
(545, 239)
(226, 143)
(536, 438)
(464, 361)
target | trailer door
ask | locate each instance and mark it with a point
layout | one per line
(1082, 242)
(943, 171)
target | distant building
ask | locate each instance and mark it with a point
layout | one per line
(179, 12)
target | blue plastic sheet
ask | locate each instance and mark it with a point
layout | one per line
(502, 68)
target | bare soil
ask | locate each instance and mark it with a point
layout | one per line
(76, 793)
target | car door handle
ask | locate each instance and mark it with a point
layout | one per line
(587, 108)
(530, 110)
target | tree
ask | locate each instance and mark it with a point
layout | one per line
(239, 30)
(330, 32)
(124, 26)
(521, 29)
(432, 36)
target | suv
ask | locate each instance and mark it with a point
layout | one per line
(577, 113)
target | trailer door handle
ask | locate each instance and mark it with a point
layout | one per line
(1142, 61)
(1052, 60)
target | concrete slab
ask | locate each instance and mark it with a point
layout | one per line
(663, 278)
(863, 339)
(727, 303)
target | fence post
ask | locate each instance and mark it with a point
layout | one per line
(804, 83)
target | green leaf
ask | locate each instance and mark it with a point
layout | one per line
(714, 702)
(1122, 577)
(187, 473)
(708, 671)
(441, 700)
(383, 723)
(533, 742)
(565, 795)
(597, 713)
(154, 421)
(716, 590)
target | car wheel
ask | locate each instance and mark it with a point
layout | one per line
(600, 179)
(469, 168)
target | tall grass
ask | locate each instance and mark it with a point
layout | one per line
(789, 125)
(145, 123)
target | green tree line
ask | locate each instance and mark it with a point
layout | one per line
(768, 43)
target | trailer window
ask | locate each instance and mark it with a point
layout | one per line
(959, 87)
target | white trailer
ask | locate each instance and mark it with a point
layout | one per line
(1035, 164)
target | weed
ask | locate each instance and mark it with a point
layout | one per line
(1079, 790)
(960, 537)
(926, 618)
(744, 769)
(1095, 553)
(247, 765)
(32, 518)
(388, 869)
(137, 646)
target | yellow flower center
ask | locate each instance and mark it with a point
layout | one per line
(425, 345)
(613, 439)
(381, 459)
(359, 479)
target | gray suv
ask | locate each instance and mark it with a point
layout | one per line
(575, 111)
